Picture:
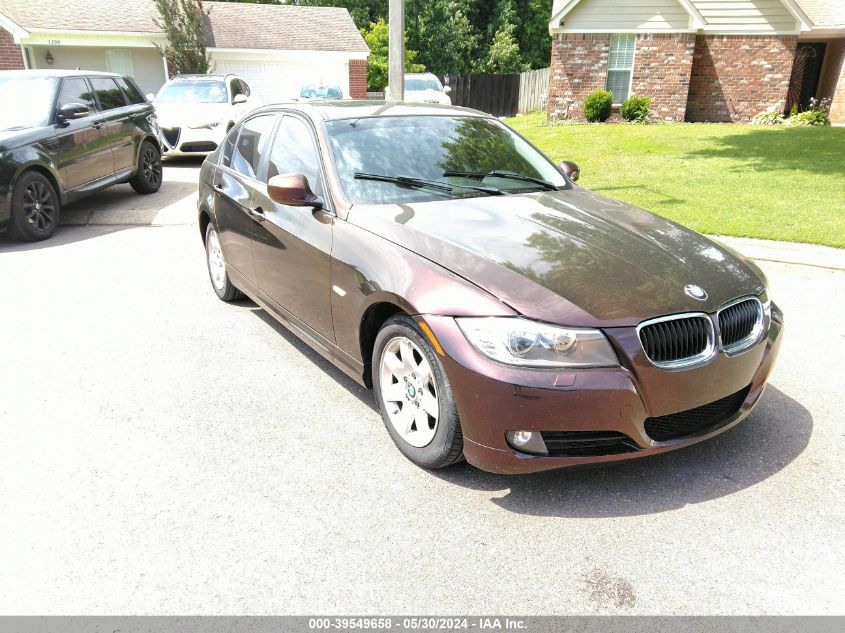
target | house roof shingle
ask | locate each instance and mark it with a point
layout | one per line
(230, 25)
(287, 27)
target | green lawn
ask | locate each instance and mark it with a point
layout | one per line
(780, 183)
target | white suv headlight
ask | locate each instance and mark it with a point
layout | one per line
(517, 341)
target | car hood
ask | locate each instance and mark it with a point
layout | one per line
(190, 114)
(571, 257)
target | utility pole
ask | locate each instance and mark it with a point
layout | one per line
(396, 56)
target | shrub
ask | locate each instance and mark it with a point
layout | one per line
(816, 114)
(769, 117)
(636, 109)
(597, 105)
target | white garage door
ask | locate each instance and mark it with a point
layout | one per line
(281, 81)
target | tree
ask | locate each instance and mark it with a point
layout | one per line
(448, 41)
(503, 54)
(184, 25)
(377, 37)
(535, 43)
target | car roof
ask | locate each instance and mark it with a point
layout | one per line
(352, 109)
(56, 73)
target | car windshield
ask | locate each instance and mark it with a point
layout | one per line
(26, 101)
(321, 92)
(430, 147)
(190, 91)
(421, 83)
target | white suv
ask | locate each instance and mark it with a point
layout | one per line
(424, 88)
(196, 111)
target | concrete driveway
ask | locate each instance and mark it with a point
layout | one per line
(165, 453)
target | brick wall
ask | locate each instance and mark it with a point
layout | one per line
(837, 105)
(662, 66)
(579, 66)
(11, 57)
(358, 78)
(735, 77)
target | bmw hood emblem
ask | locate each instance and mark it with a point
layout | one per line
(696, 292)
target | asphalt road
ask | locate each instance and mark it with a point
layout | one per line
(165, 453)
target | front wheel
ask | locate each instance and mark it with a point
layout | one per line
(414, 395)
(148, 177)
(35, 208)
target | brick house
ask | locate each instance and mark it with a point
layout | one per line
(276, 48)
(699, 60)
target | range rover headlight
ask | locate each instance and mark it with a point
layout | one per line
(517, 341)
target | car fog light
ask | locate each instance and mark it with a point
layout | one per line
(527, 442)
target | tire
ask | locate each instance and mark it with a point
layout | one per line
(148, 175)
(35, 208)
(406, 409)
(216, 263)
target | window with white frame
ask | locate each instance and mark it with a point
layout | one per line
(620, 65)
(119, 60)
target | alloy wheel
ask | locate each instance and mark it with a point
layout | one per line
(216, 261)
(409, 391)
(151, 166)
(39, 206)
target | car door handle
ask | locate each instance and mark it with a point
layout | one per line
(218, 189)
(97, 125)
(257, 214)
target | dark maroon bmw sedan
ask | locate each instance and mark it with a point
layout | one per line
(500, 312)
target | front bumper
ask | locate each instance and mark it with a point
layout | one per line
(186, 141)
(492, 398)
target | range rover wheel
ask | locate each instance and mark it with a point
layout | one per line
(217, 267)
(147, 178)
(35, 208)
(414, 395)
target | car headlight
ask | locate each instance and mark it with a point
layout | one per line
(517, 341)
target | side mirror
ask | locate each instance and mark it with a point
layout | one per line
(569, 169)
(238, 99)
(447, 89)
(292, 190)
(150, 96)
(71, 111)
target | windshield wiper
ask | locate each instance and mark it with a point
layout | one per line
(545, 184)
(422, 183)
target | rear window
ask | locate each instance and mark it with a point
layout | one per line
(131, 90)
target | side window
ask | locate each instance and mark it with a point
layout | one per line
(229, 146)
(75, 90)
(251, 142)
(131, 90)
(294, 152)
(108, 93)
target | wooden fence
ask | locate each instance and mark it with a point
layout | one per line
(533, 90)
(500, 95)
(495, 94)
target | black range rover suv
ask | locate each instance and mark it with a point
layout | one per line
(64, 134)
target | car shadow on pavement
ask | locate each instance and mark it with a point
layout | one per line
(775, 434)
(62, 237)
(363, 394)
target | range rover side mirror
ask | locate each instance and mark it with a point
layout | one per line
(447, 89)
(292, 190)
(238, 99)
(71, 111)
(569, 169)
